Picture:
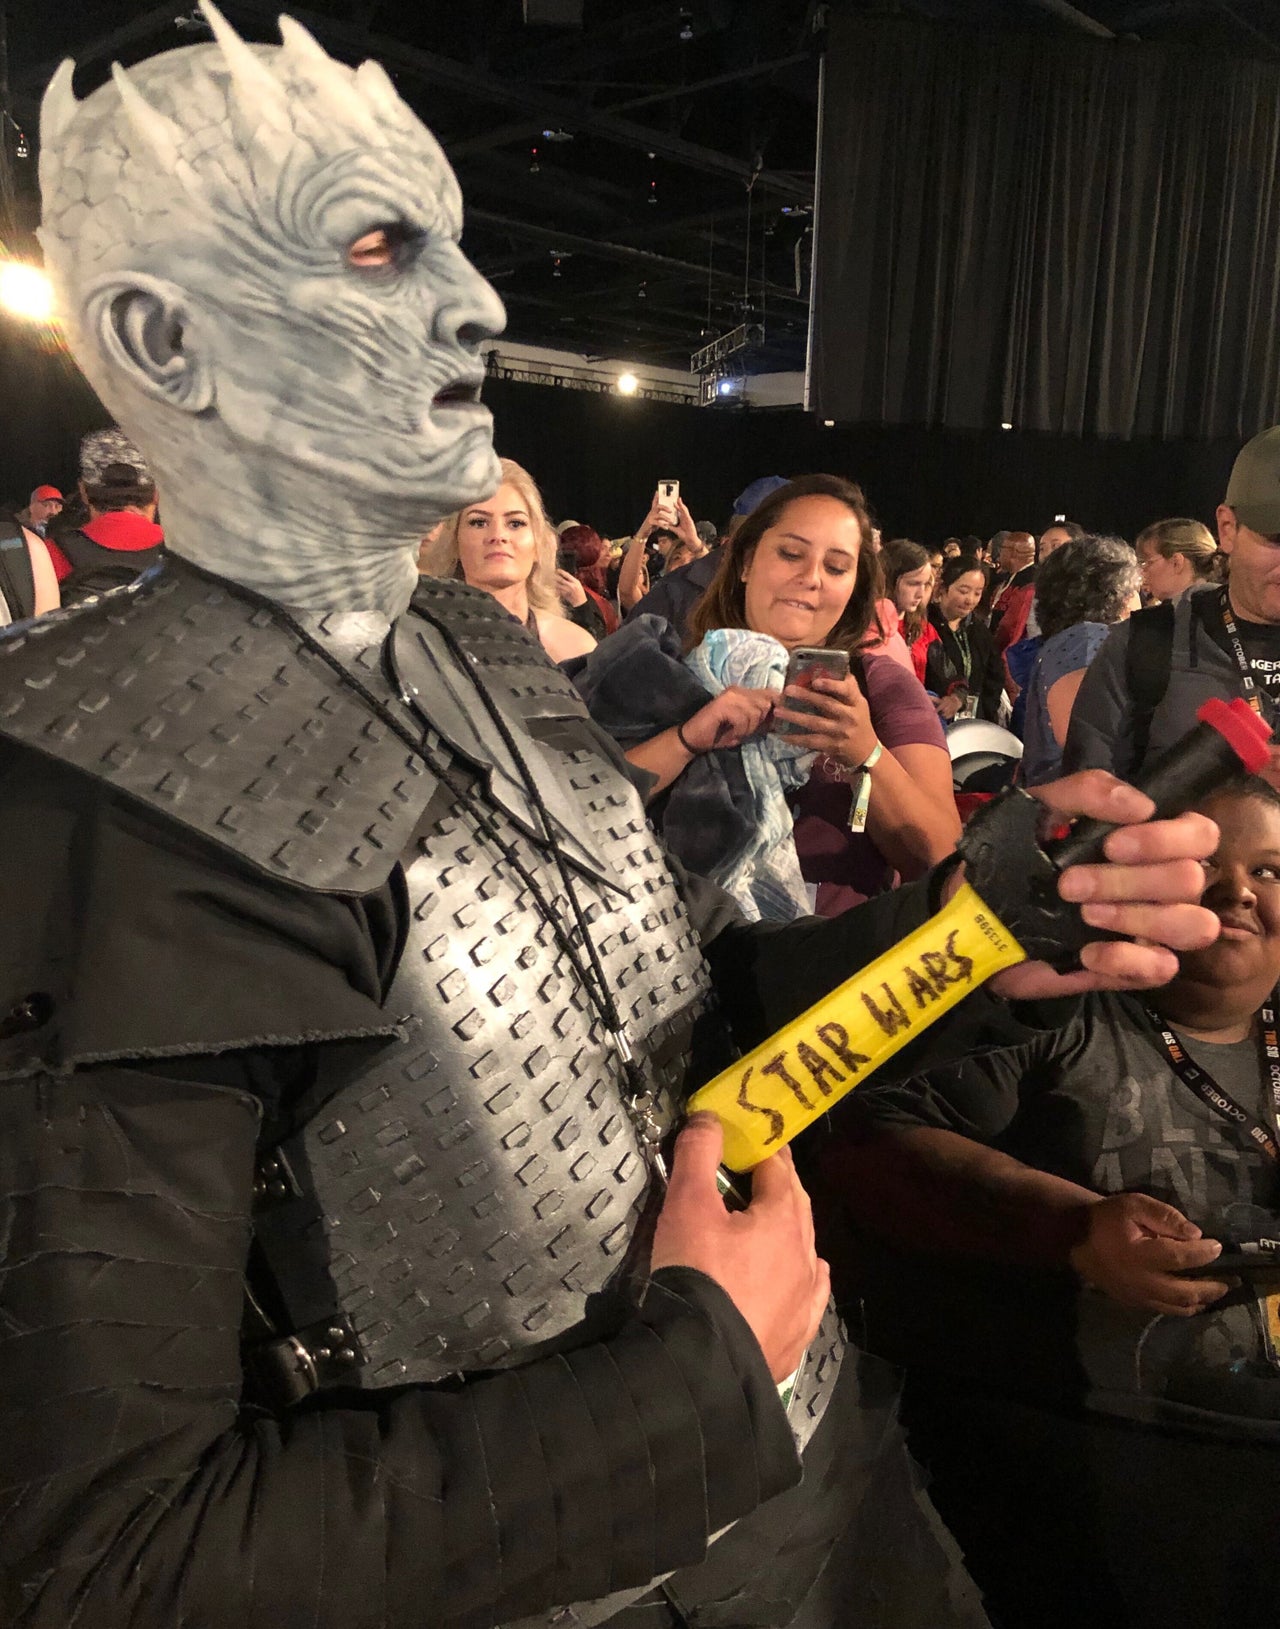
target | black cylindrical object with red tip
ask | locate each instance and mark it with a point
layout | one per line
(1230, 739)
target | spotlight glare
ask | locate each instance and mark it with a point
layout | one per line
(25, 291)
(725, 387)
(628, 384)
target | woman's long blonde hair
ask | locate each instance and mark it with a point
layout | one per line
(441, 558)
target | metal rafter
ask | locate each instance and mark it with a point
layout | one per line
(432, 68)
(506, 134)
(609, 250)
(33, 80)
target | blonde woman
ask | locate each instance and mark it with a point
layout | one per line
(1175, 555)
(507, 546)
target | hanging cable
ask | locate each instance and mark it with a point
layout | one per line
(711, 256)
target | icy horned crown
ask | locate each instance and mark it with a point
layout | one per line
(240, 138)
(200, 214)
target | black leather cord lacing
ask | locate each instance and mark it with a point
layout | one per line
(640, 1101)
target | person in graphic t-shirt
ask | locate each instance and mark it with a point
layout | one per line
(121, 538)
(1205, 657)
(1101, 1429)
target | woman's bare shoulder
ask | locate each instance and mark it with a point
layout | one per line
(561, 638)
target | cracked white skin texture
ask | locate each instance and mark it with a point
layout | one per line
(198, 215)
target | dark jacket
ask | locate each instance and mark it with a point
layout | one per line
(948, 666)
(105, 553)
(674, 595)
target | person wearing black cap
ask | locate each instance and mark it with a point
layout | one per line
(121, 538)
(1144, 687)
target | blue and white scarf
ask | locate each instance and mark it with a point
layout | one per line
(764, 878)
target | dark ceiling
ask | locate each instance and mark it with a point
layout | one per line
(638, 177)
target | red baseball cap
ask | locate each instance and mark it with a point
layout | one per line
(42, 492)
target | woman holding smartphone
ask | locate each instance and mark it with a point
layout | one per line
(800, 570)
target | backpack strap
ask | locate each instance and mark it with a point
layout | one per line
(17, 580)
(1148, 659)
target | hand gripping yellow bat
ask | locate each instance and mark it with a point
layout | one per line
(1007, 911)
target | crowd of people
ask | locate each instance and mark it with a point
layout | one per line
(358, 1262)
(1075, 1177)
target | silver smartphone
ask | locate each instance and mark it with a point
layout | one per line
(805, 664)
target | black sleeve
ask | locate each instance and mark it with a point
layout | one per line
(992, 679)
(136, 1488)
(976, 1098)
(766, 974)
(142, 940)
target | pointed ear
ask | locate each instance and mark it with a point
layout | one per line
(143, 329)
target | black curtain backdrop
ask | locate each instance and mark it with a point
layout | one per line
(598, 457)
(1068, 235)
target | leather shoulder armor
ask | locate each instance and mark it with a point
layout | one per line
(201, 702)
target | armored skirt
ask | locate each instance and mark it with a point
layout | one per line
(324, 1179)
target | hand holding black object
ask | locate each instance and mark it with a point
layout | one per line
(763, 1257)
(1146, 889)
(570, 589)
(1135, 1249)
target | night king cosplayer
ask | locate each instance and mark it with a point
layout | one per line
(345, 993)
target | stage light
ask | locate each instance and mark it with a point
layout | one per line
(725, 387)
(628, 384)
(1006, 427)
(25, 291)
(828, 424)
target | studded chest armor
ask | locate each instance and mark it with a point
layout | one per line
(461, 1198)
(460, 1193)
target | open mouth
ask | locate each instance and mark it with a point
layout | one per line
(461, 393)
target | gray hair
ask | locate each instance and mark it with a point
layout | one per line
(1090, 579)
(102, 448)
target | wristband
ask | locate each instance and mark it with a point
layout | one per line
(694, 752)
(852, 772)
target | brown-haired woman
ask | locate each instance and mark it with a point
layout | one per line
(800, 569)
(908, 581)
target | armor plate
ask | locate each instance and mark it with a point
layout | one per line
(461, 1201)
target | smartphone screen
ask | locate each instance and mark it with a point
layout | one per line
(803, 667)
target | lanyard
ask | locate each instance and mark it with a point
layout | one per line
(1202, 1083)
(961, 637)
(1237, 649)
